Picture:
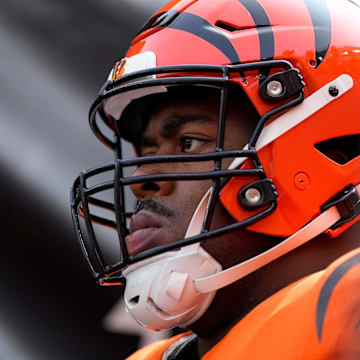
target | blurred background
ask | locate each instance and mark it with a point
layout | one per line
(55, 56)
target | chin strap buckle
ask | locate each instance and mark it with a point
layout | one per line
(347, 202)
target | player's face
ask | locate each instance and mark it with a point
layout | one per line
(180, 127)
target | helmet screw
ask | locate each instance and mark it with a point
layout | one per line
(253, 196)
(333, 91)
(302, 181)
(274, 88)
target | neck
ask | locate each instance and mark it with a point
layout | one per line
(212, 327)
(207, 343)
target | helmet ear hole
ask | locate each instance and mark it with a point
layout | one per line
(134, 300)
(342, 149)
(150, 187)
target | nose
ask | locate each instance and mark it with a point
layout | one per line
(150, 188)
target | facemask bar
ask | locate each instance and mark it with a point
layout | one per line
(82, 195)
(127, 83)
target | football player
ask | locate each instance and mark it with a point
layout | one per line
(244, 119)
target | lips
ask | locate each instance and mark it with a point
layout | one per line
(144, 227)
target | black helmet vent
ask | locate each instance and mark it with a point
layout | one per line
(342, 149)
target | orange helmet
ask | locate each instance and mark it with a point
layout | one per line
(298, 62)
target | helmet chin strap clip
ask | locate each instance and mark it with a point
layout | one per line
(347, 202)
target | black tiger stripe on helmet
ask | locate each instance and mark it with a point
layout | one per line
(322, 28)
(263, 26)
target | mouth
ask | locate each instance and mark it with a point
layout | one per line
(144, 230)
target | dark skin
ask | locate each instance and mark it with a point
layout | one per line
(189, 126)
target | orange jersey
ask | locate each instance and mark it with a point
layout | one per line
(315, 318)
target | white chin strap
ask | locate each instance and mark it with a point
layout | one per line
(177, 287)
(223, 278)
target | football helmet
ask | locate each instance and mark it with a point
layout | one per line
(298, 63)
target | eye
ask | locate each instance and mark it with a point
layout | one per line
(189, 144)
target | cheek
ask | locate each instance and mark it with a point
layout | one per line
(189, 194)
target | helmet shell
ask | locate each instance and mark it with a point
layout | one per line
(315, 36)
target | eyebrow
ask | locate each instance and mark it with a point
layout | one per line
(172, 125)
